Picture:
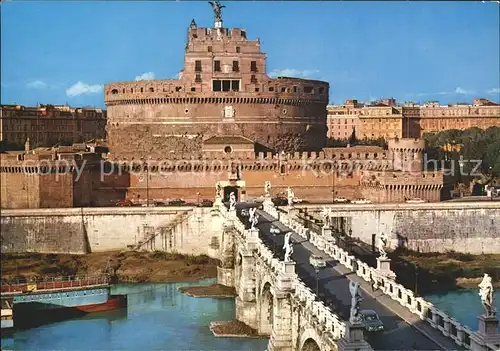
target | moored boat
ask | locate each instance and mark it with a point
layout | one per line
(37, 303)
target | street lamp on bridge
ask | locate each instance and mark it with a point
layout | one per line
(318, 263)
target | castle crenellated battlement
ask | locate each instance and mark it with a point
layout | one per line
(289, 91)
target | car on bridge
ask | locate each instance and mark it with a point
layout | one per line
(317, 261)
(274, 230)
(415, 201)
(371, 321)
(340, 199)
(361, 201)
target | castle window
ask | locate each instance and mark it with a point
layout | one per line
(253, 66)
(321, 90)
(209, 49)
(235, 85)
(197, 66)
(114, 91)
(123, 90)
(257, 90)
(226, 85)
(236, 66)
(142, 90)
(198, 78)
(309, 90)
(271, 88)
(283, 89)
(186, 111)
(216, 66)
(193, 89)
(228, 149)
(151, 90)
(131, 90)
(216, 85)
(294, 89)
(253, 79)
(178, 88)
(238, 49)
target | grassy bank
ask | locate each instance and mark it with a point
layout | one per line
(129, 266)
(446, 271)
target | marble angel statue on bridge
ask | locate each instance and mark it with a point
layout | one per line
(267, 188)
(253, 218)
(288, 247)
(290, 196)
(356, 298)
(218, 190)
(232, 201)
(382, 244)
(486, 294)
(326, 213)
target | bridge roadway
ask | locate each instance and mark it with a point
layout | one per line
(334, 291)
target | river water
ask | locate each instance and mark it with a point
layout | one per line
(158, 317)
(464, 305)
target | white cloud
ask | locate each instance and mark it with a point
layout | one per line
(37, 84)
(292, 72)
(494, 91)
(146, 76)
(81, 88)
(459, 90)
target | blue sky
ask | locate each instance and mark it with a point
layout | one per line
(63, 52)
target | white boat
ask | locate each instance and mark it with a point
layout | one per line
(7, 317)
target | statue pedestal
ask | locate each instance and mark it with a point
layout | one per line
(292, 211)
(488, 325)
(327, 233)
(384, 267)
(488, 333)
(353, 339)
(232, 213)
(218, 201)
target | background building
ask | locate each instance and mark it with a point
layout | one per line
(386, 119)
(47, 125)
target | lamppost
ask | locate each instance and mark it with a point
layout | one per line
(147, 184)
(317, 262)
(416, 279)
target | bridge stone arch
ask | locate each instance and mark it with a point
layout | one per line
(266, 317)
(309, 340)
(310, 345)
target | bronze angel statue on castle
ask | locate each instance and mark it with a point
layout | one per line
(217, 10)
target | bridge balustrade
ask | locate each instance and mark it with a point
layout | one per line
(447, 325)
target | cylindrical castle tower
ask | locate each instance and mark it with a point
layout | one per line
(222, 90)
(407, 155)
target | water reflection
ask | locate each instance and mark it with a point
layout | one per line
(158, 317)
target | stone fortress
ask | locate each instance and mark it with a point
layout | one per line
(222, 90)
(223, 121)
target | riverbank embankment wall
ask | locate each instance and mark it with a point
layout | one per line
(468, 227)
(185, 230)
